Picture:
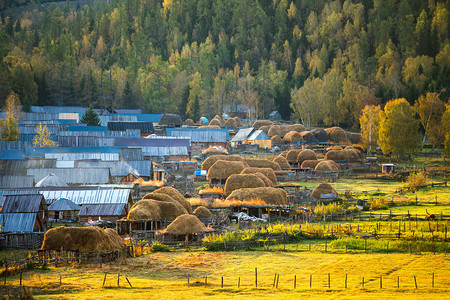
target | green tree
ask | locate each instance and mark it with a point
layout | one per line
(370, 123)
(9, 126)
(399, 130)
(90, 118)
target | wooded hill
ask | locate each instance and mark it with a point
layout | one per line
(199, 57)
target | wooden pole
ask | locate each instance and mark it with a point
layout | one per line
(239, 282)
(363, 282)
(295, 281)
(398, 282)
(415, 281)
(256, 277)
(128, 282)
(381, 282)
(432, 281)
(118, 279)
(310, 280)
(274, 280)
(206, 280)
(345, 280)
(278, 277)
(20, 278)
(329, 280)
(104, 279)
(222, 282)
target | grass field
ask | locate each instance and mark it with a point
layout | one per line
(164, 276)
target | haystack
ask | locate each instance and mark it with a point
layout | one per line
(145, 210)
(282, 130)
(238, 121)
(215, 151)
(270, 195)
(265, 129)
(335, 155)
(189, 122)
(186, 224)
(334, 148)
(239, 181)
(82, 239)
(351, 154)
(292, 136)
(260, 123)
(263, 163)
(308, 137)
(354, 138)
(292, 155)
(207, 163)
(337, 134)
(175, 194)
(323, 188)
(231, 122)
(306, 154)
(169, 207)
(215, 122)
(210, 126)
(202, 213)
(282, 162)
(321, 135)
(218, 118)
(327, 165)
(264, 178)
(309, 164)
(284, 153)
(277, 140)
(223, 169)
(268, 172)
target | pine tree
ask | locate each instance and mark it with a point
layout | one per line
(90, 118)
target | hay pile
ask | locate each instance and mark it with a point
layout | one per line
(282, 162)
(281, 130)
(308, 136)
(354, 138)
(267, 181)
(306, 154)
(186, 224)
(189, 122)
(277, 140)
(327, 165)
(223, 169)
(82, 239)
(207, 163)
(240, 181)
(145, 210)
(292, 155)
(218, 118)
(215, 122)
(263, 163)
(339, 155)
(337, 134)
(334, 155)
(169, 207)
(309, 164)
(231, 122)
(210, 126)
(175, 194)
(260, 123)
(238, 121)
(270, 195)
(321, 135)
(334, 148)
(265, 129)
(268, 172)
(284, 153)
(215, 151)
(292, 136)
(323, 188)
(202, 213)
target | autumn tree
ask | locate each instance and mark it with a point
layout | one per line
(370, 124)
(446, 129)
(399, 130)
(430, 110)
(9, 126)
(90, 118)
(43, 137)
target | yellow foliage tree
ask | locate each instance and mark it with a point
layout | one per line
(9, 126)
(446, 129)
(430, 110)
(370, 124)
(42, 137)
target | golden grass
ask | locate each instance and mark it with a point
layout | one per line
(142, 182)
(212, 190)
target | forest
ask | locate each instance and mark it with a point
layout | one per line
(318, 62)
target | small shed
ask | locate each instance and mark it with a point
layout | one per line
(387, 168)
(171, 120)
(104, 211)
(63, 210)
(130, 178)
(23, 213)
(275, 116)
(372, 161)
(261, 138)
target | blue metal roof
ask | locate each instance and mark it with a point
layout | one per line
(12, 154)
(64, 204)
(154, 118)
(201, 134)
(69, 121)
(110, 209)
(21, 222)
(153, 142)
(41, 151)
(87, 128)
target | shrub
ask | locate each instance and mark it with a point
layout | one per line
(379, 203)
(416, 181)
(159, 247)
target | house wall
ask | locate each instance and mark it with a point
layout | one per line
(262, 143)
(95, 218)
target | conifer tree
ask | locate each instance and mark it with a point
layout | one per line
(90, 118)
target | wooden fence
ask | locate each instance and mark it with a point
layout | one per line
(21, 240)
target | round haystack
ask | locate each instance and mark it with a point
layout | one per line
(231, 122)
(240, 181)
(282, 130)
(189, 122)
(145, 209)
(260, 123)
(292, 136)
(223, 169)
(354, 138)
(327, 165)
(270, 195)
(321, 135)
(335, 155)
(277, 140)
(264, 178)
(268, 172)
(51, 180)
(323, 188)
(263, 163)
(284, 153)
(202, 213)
(175, 194)
(207, 163)
(170, 210)
(265, 129)
(308, 137)
(337, 134)
(215, 151)
(238, 121)
(218, 118)
(292, 155)
(210, 126)
(215, 122)
(186, 224)
(334, 148)
(306, 154)
(296, 127)
(351, 154)
(282, 162)
(309, 164)
(83, 239)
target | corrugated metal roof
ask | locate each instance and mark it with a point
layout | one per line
(14, 145)
(153, 142)
(37, 163)
(77, 141)
(30, 137)
(82, 156)
(64, 204)
(73, 176)
(13, 181)
(51, 180)
(104, 120)
(13, 167)
(21, 222)
(117, 168)
(114, 209)
(164, 151)
(88, 196)
(242, 134)
(143, 167)
(200, 135)
(41, 151)
(12, 154)
(65, 164)
(121, 126)
(131, 154)
(124, 133)
(128, 111)
(258, 135)
(31, 129)
(38, 117)
(26, 203)
(154, 118)
(87, 128)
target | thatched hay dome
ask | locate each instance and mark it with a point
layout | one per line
(263, 163)
(231, 122)
(265, 129)
(268, 172)
(214, 151)
(346, 154)
(145, 209)
(202, 213)
(292, 136)
(264, 178)
(282, 130)
(270, 195)
(334, 155)
(169, 207)
(284, 153)
(223, 169)
(189, 122)
(210, 126)
(175, 194)
(277, 140)
(186, 224)
(323, 188)
(240, 181)
(207, 163)
(309, 164)
(306, 154)
(258, 123)
(327, 165)
(218, 118)
(292, 155)
(337, 134)
(354, 138)
(308, 136)
(238, 121)
(82, 239)
(282, 162)
(334, 148)
(215, 122)
(321, 135)
(351, 154)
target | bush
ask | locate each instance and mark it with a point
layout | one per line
(379, 203)
(159, 247)
(416, 181)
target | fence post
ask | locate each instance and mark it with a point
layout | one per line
(118, 279)
(325, 245)
(328, 280)
(256, 277)
(363, 282)
(310, 280)
(128, 282)
(222, 282)
(346, 280)
(239, 282)
(206, 281)
(398, 282)
(104, 279)
(432, 281)
(295, 281)
(188, 280)
(381, 282)
(274, 279)
(20, 278)
(278, 277)
(415, 281)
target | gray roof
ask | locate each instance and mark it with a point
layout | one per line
(37, 163)
(143, 167)
(114, 209)
(164, 151)
(13, 167)
(11, 181)
(104, 120)
(122, 126)
(27, 203)
(131, 154)
(117, 168)
(258, 135)
(21, 222)
(242, 134)
(82, 156)
(73, 176)
(14, 145)
(119, 133)
(201, 136)
(51, 180)
(64, 204)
